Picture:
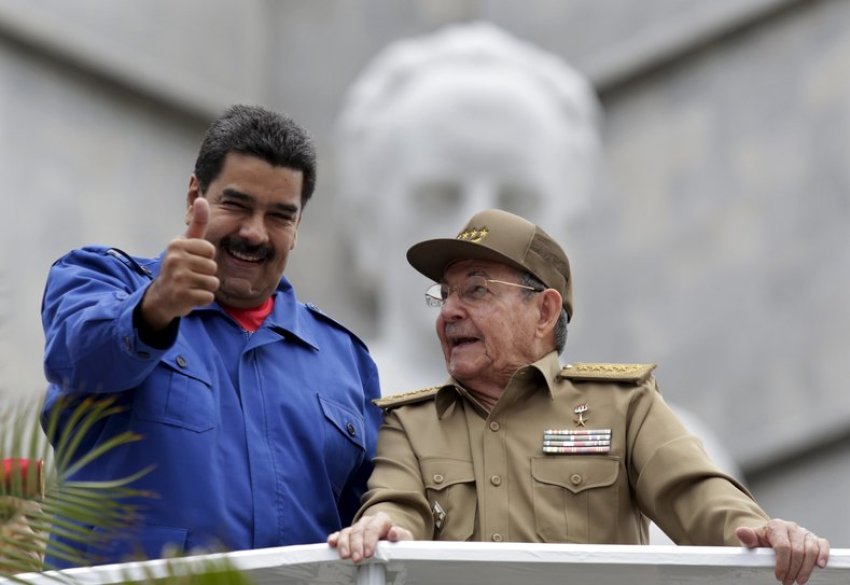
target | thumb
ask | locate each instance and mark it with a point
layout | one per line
(397, 534)
(748, 536)
(199, 216)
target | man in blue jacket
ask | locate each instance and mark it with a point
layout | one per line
(254, 409)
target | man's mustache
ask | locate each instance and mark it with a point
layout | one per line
(240, 246)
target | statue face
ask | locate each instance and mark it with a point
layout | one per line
(463, 141)
(457, 141)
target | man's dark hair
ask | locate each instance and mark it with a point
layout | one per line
(255, 131)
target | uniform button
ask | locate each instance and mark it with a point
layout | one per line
(438, 478)
(494, 426)
(351, 430)
(496, 479)
(575, 479)
(181, 361)
(496, 537)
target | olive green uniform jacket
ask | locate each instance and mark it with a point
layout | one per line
(447, 470)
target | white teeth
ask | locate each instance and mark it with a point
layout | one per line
(244, 257)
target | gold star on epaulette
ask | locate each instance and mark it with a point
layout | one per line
(615, 372)
(394, 400)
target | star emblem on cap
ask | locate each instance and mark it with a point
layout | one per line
(474, 235)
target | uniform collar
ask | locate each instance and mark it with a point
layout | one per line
(545, 369)
(290, 317)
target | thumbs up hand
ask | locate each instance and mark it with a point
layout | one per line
(187, 278)
(199, 217)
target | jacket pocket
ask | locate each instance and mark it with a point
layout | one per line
(178, 393)
(570, 492)
(450, 489)
(345, 442)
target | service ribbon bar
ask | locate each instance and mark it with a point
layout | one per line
(577, 432)
(576, 441)
(576, 450)
(547, 443)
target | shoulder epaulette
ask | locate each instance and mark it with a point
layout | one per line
(615, 372)
(394, 400)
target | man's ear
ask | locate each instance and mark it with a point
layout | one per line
(297, 225)
(192, 193)
(550, 309)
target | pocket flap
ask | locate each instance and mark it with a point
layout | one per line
(183, 360)
(576, 473)
(349, 423)
(438, 473)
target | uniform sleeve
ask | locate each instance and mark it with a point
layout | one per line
(395, 486)
(91, 345)
(677, 485)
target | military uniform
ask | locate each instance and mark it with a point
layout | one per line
(446, 469)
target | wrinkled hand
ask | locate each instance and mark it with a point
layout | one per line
(188, 275)
(797, 549)
(358, 541)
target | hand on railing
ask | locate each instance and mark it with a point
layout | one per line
(358, 541)
(797, 550)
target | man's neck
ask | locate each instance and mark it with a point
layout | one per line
(486, 400)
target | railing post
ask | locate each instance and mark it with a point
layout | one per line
(372, 574)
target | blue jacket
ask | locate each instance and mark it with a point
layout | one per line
(258, 439)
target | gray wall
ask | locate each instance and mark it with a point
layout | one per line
(718, 244)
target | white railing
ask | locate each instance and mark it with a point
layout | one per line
(469, 563)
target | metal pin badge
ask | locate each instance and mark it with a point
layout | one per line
(581, 410)
(439, 515)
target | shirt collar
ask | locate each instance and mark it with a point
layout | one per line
(288, 317)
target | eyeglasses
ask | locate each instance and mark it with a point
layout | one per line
(474, 290)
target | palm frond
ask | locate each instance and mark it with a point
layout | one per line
(38, 498)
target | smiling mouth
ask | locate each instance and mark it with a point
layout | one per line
(244, 257)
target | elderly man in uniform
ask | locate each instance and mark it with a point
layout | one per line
(517, 448)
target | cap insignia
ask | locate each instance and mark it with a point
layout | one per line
(473, 235)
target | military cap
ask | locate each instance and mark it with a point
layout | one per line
(503, 237)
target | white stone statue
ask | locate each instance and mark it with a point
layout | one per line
(435, 129)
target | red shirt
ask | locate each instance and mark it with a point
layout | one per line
(251, 319)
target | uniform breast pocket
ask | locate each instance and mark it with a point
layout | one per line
(570, 493)
(450, 489)
(345, 441)
(178, 395)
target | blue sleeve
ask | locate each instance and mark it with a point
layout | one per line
(349, 501)
(91, 345)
